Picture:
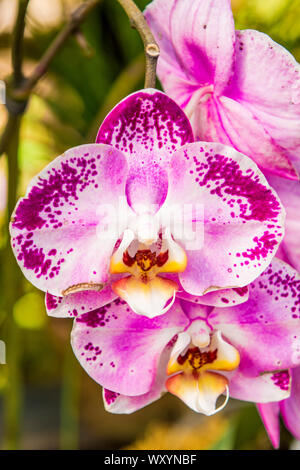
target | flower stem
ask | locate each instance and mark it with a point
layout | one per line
(17, 46)
(77, 17)
(150, 45)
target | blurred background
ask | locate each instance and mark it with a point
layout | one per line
(47, 401)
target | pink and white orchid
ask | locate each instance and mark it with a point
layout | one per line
(194, 351)
(111, 216)
(237, 87)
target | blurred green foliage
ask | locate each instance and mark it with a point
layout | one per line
(66, 110)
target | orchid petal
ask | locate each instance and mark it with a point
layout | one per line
(243, 216)
(219, 298)
(265, 388)
(265, 329)
(121, 350)
(196, 37)
(77, 303)
(250, 136)
(148, 298)
(289, 193)
(56, 228)
(148, 127)
(290, 408)
(219, 78)
(269, 413)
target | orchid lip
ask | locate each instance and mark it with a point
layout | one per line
(144, 290)
(195, 373)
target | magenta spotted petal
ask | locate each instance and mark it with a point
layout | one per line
(242, 216)
(266, 328)
(289, 409)
(237, 87)
(147, 127)
(124, 404)
(219, 298)
(264, 388)
(77, 303)
(121, 350)
(56, 228)
(289, 193)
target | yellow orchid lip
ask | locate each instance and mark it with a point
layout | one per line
(148, 298)
(145, 289)
(195, 375)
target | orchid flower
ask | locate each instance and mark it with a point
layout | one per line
(146, 213)
(196, 352)
(237, 87)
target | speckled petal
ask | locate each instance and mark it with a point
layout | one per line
(290, 408)
(119, 404)
(147, 126)
(265, 329)
(196, 38)
(219, 298)
(265, 388)
(77, 303)
(59, 228)
(289, 193)
(121, 350)
(269, 413)
(200, 392)
(243, 217)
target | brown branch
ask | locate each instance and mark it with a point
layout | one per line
(150, 45)
(17, 44)
(77, 17)
(19, 89)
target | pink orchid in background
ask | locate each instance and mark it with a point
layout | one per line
(237, 87)
(194, 351)
(111, 216)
